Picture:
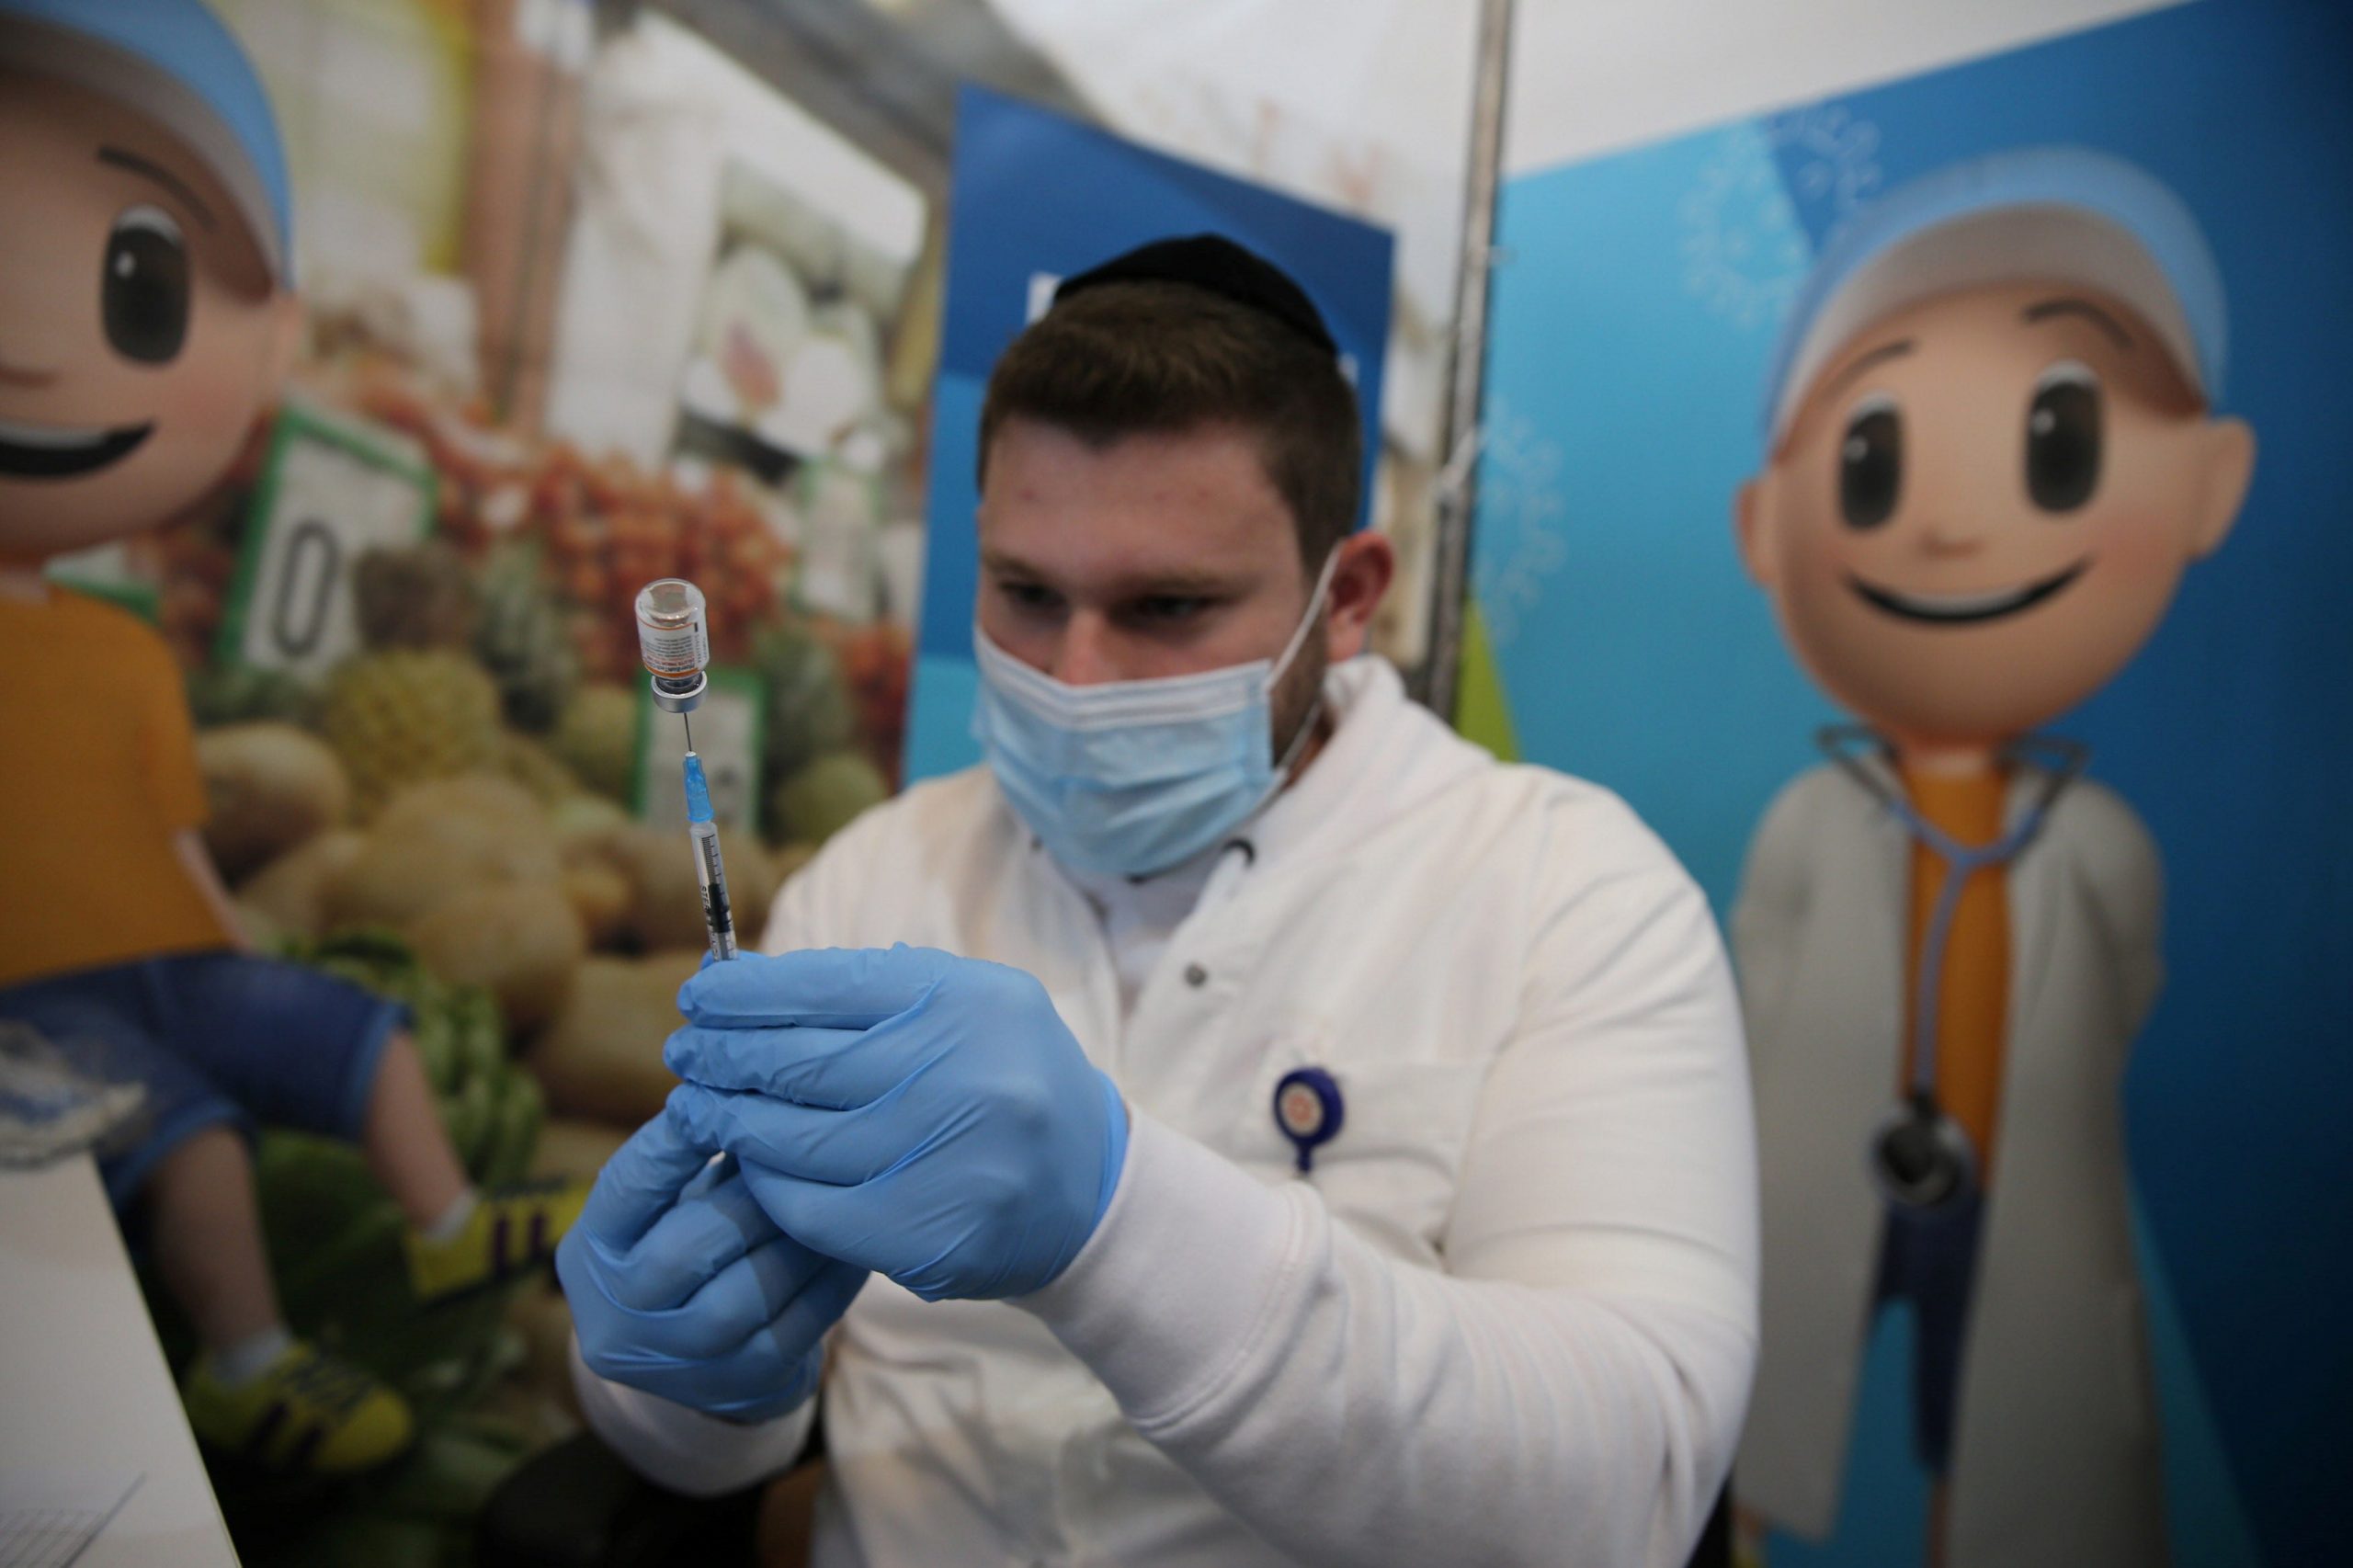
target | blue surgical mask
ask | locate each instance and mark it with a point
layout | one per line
(1133, 777)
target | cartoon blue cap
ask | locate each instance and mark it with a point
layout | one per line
(2034, 214)
(173, 60)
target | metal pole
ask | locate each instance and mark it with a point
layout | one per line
(1467, 366)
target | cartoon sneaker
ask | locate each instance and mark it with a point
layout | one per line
(306, 1411)
(513, 1229)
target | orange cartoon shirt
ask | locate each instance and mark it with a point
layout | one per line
(97, 774)
(1972, 1009)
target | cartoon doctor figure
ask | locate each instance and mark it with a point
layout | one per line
(1992, 454)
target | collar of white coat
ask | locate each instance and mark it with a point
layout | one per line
(2023, 788)
(1386, 754)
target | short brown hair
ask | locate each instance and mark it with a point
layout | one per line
(1129, 359)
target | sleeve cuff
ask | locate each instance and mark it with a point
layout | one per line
(683, 1449)
(1172, 1295)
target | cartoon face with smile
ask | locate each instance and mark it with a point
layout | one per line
(140, 327)
(1979, 507)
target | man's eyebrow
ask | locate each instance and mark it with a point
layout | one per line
(1883, 353)
(1007, 565)
(2072, 306)
(162, 176)
(1180, 581)
(1175, 580)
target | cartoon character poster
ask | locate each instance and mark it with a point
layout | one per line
(1972, 430)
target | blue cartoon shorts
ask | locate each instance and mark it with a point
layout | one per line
(220, 1038)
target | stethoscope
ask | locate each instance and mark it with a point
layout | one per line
(1920, 1157)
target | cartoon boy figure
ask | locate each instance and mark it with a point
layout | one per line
(1992, 455)
(145, 319)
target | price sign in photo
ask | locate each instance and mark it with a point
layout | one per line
(727, 737)
(332, 491)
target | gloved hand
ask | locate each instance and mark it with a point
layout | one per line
(926, 1115)
(681, 1286)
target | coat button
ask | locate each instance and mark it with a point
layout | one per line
(1196, 976)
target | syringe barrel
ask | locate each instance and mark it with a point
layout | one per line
(712, 873)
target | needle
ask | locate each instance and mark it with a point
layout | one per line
(689, 723)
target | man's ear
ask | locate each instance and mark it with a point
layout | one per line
(2229, 469)
(1359, 578)
(1754, 525)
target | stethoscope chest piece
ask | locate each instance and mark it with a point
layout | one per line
(1921, 1158)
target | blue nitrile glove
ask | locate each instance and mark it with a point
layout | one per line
(681, 1286)
(926, 1115)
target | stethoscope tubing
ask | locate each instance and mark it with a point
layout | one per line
(1961, 861)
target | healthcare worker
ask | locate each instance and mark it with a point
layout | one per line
(1993, 455)
(1326, 1146)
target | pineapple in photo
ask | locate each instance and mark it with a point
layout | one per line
(413, 707)
(521, 639)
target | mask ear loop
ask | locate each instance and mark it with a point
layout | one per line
(1274, 672)
(1298, 741)
(1306, 622)
(1278, 667)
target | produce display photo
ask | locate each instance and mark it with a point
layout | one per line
(401, 621)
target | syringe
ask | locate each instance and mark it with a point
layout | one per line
(708, 870)
(675, 642)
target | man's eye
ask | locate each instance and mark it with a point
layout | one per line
(144, 288)
(1166, 607)
(1029, 597)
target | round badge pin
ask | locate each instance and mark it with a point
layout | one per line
(1308, 1111)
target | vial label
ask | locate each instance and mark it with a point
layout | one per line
(681, 652)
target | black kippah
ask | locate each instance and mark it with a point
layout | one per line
(1217, 263)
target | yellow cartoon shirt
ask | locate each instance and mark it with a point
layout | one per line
(98, 774)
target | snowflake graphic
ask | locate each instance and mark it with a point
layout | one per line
(1832, 157)
(1522, 521)
(1745, 251)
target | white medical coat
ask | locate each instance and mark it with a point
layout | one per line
(1508, 1318)
(2056, 1456)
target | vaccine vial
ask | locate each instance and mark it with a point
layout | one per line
(673, 640)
